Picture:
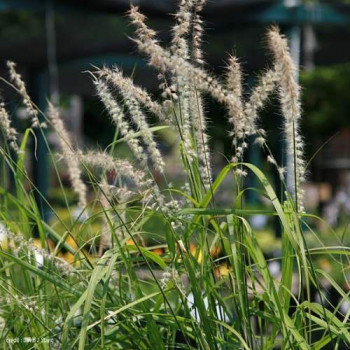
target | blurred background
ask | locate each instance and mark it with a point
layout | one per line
(55, 43)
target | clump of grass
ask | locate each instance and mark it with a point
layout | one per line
(204, 283)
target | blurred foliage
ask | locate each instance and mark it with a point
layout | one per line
(19, 26)
(326, 102)
(334, 1)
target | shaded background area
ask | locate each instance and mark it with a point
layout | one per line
(55, 42)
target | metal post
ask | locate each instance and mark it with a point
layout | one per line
(39, 88)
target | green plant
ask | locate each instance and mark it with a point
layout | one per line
(186, 298)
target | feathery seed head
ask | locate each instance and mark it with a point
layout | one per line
(19, 83)
(289, 93)
(123, 83)
(118, 119)
(123, 167)
(234, 76)
(70, 156)
(10, 133)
